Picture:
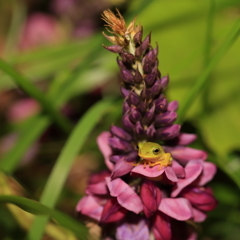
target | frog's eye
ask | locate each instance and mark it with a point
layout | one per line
(156, 151)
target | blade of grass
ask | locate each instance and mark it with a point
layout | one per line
(32, 91)
(28, 134)
(202, 80)
(61, 169)
(39, 209)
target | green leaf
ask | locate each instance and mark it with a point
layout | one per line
(34, 92)
(61, 169)
(39, 209)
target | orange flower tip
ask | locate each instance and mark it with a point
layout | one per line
(115, 22)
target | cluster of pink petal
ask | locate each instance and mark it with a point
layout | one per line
(146, 203)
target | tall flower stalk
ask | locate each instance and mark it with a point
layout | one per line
(141, 197)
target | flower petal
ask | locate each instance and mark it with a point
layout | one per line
(89, 206)
(126, 196)
(151, 172)
(209, 170)
(121, 168)
(102, 141)
(170, 174)
(198, 216)
(185, 154)
(112, 211)
(178, 169)
(162, 227)
(193, 170)
(186, 138)
(151, 197)
(177, 208)
(129, 231)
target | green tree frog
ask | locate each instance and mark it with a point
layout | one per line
(153, 154)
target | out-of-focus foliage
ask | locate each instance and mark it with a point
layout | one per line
(55, 75)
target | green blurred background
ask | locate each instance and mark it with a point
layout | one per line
(59, 88)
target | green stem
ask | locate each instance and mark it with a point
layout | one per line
(202, 80)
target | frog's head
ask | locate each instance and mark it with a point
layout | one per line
(150, 150)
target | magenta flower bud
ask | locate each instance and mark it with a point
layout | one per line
(120, 133)
(165, 119)
(162, 227)
(114, 48)
(164, 82)
(138, 37)
(124, 92)
(112, 212)
(146, 43)
(127, 76)
(161, 104)
(133, 98)
(119, 144)
(148, 118)
(200, 198)
(151, 132)
(166, 133)
(138, 129)
(135, 114)
(127, 58)
(172, 106)
(138, 77)
(151, 197)
(126, 122)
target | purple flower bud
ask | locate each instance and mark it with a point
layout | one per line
(138, 37)
(133, 98)
(135, 114)
(127, 76)
(165, 119)
(126, 122)
(132, 156)
(164, 82)
(151, 77)
(161, 104)
(151, 197)
(112, 211)
(119, 144)
(120, 133)
(124, 92)
(138, 77)
(116, 158)
(127, 58)
(142, 106)
(125, 107)
(146, 43)
(121, 64)
(114, 48)
(138, 52)
(148, 117)
(151, 56)
(154, 90)
(151, 132)
(138, 129)
(148, 66)
(172, 106)
(166, 133)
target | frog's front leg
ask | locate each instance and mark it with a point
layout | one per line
(164, 161)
